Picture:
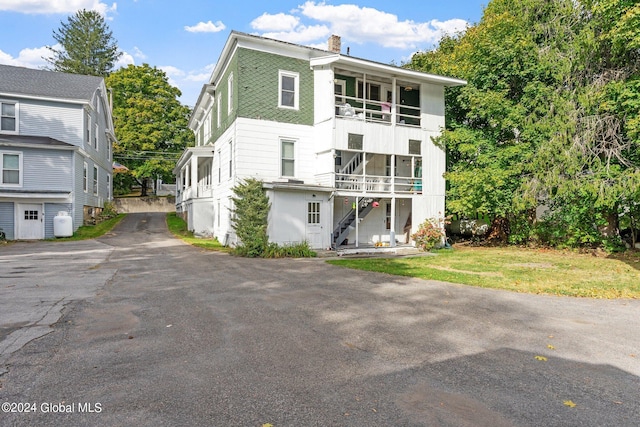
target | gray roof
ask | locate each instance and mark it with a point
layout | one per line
(50, 84)
(40, 141)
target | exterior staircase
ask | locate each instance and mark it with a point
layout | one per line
(353, 166)
(346, 224)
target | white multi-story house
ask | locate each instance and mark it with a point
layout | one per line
(343, 145)
(56, 136)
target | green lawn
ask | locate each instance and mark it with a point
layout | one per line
(92, 231)
(178, 228)
(539, 271)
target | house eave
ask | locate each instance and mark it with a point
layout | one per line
(296, 186)
(371, 66)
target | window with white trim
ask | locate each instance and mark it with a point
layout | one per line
(313, 212)
(8, 117)
(288, 89)
(95, 136)
(230, 94)
(219, 110)
(415, 146)
(85, 174)
(230, 159)
(87, 127)
(287, 157)
(95, 180)
(207, 128)
(108, 187)
(11, 164)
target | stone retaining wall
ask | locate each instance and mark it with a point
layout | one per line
(145, 204)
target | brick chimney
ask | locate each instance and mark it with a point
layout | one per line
(334, 44)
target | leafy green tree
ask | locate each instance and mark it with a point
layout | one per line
(250, 219)
(150, 123)
(549, 115)
(88, 46)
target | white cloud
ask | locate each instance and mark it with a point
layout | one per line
(278, 22)
(138, 53)
(206, 27)
(124, 60)
(55, 6)
(201, 75)
(355, 24)
(172, 71)
(301, 35)
(30, 58)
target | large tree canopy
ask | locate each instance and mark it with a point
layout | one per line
(150, 123)
(550, 117)
(88, 46)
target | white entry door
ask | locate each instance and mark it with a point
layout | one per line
(314, 224)
(30, 221)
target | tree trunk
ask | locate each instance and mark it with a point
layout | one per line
(144, 184)
(611, 229)
(500, 230)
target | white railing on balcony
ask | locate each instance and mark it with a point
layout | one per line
(378, 184)
(377, 112)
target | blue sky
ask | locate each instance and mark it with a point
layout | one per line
(184, 38)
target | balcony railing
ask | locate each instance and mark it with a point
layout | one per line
(378, 184)
(377, 112)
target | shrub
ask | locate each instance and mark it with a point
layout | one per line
(430, 234)
(250, 219)
(297, 250)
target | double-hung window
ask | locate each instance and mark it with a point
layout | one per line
(11, 164)
(288, 157)
(85, 177)
(230, 95)
(289, 88)
(230, 159)
(218, 110)
(8, 116)
(95, 180)
(87, 127)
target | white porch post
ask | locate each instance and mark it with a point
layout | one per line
(393, 101)
(392, 231)
(194, 175)
(357, 222)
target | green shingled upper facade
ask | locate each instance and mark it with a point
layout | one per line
(255, 85)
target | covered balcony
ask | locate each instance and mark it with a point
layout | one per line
(378, 174)
(377, 99)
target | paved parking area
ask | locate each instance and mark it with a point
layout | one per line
(173, 335)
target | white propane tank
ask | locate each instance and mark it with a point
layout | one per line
(63, 225)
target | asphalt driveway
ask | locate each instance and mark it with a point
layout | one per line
(155, 332)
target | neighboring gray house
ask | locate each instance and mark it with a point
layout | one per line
(56, 136)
